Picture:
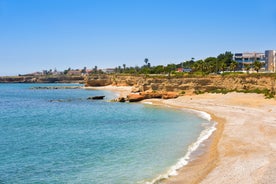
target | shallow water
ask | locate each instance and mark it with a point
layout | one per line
(57, 136)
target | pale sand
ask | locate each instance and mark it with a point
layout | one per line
(242, 150)
(121, 91)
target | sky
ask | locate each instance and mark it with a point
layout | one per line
(38, 35)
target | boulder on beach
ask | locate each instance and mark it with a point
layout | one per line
(169, 95)
(135, 97)
(151, 94)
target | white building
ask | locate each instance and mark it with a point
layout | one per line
(248, 58)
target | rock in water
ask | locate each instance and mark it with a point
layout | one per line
(95, 98)
(121, 99)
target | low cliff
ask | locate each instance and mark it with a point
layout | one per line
(186, 84)
(42, 79)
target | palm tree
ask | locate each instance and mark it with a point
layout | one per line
(201, 65)
(124, 65)
(257, 65)
(247, 67)
(223, 66)
(146, 61)
(195, 67)
(233, 65)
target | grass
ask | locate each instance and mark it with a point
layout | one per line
(266, 92)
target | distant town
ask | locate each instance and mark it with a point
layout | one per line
(250, 62)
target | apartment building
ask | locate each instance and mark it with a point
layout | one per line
(247, 58)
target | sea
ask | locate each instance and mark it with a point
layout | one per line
(58, 136)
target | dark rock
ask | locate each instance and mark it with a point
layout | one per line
(95, 98)
(121, 99)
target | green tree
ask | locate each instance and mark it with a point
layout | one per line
(211, 65)
(233, 66)
(247, 67)
(146, 60)
(223, 66)
(158, 69)
(195, 67)
(169, 68)
(201, 65)
(257, 65)
(226, 57)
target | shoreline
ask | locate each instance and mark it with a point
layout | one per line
(197, 166)
(120, 91)
(241, 150)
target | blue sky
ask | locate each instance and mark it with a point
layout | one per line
(48, 34)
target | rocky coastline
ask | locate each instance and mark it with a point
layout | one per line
(162, 87)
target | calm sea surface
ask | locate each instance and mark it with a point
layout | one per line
(57, 136)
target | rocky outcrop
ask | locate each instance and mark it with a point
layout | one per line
(152, 94)
(187, 84)
(135, 97)
(169, 95)
(98, 80)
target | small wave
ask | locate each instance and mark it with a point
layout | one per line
(204, 135)
(201, 114)
(147, 103)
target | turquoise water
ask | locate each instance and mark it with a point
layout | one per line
(57, 136)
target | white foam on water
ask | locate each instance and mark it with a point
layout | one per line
(204, 135)
(201, 114)
(147, 103)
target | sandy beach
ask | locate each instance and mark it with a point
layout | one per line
(120, 91)
(242, 149)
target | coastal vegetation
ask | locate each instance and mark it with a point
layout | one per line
(211, 65)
